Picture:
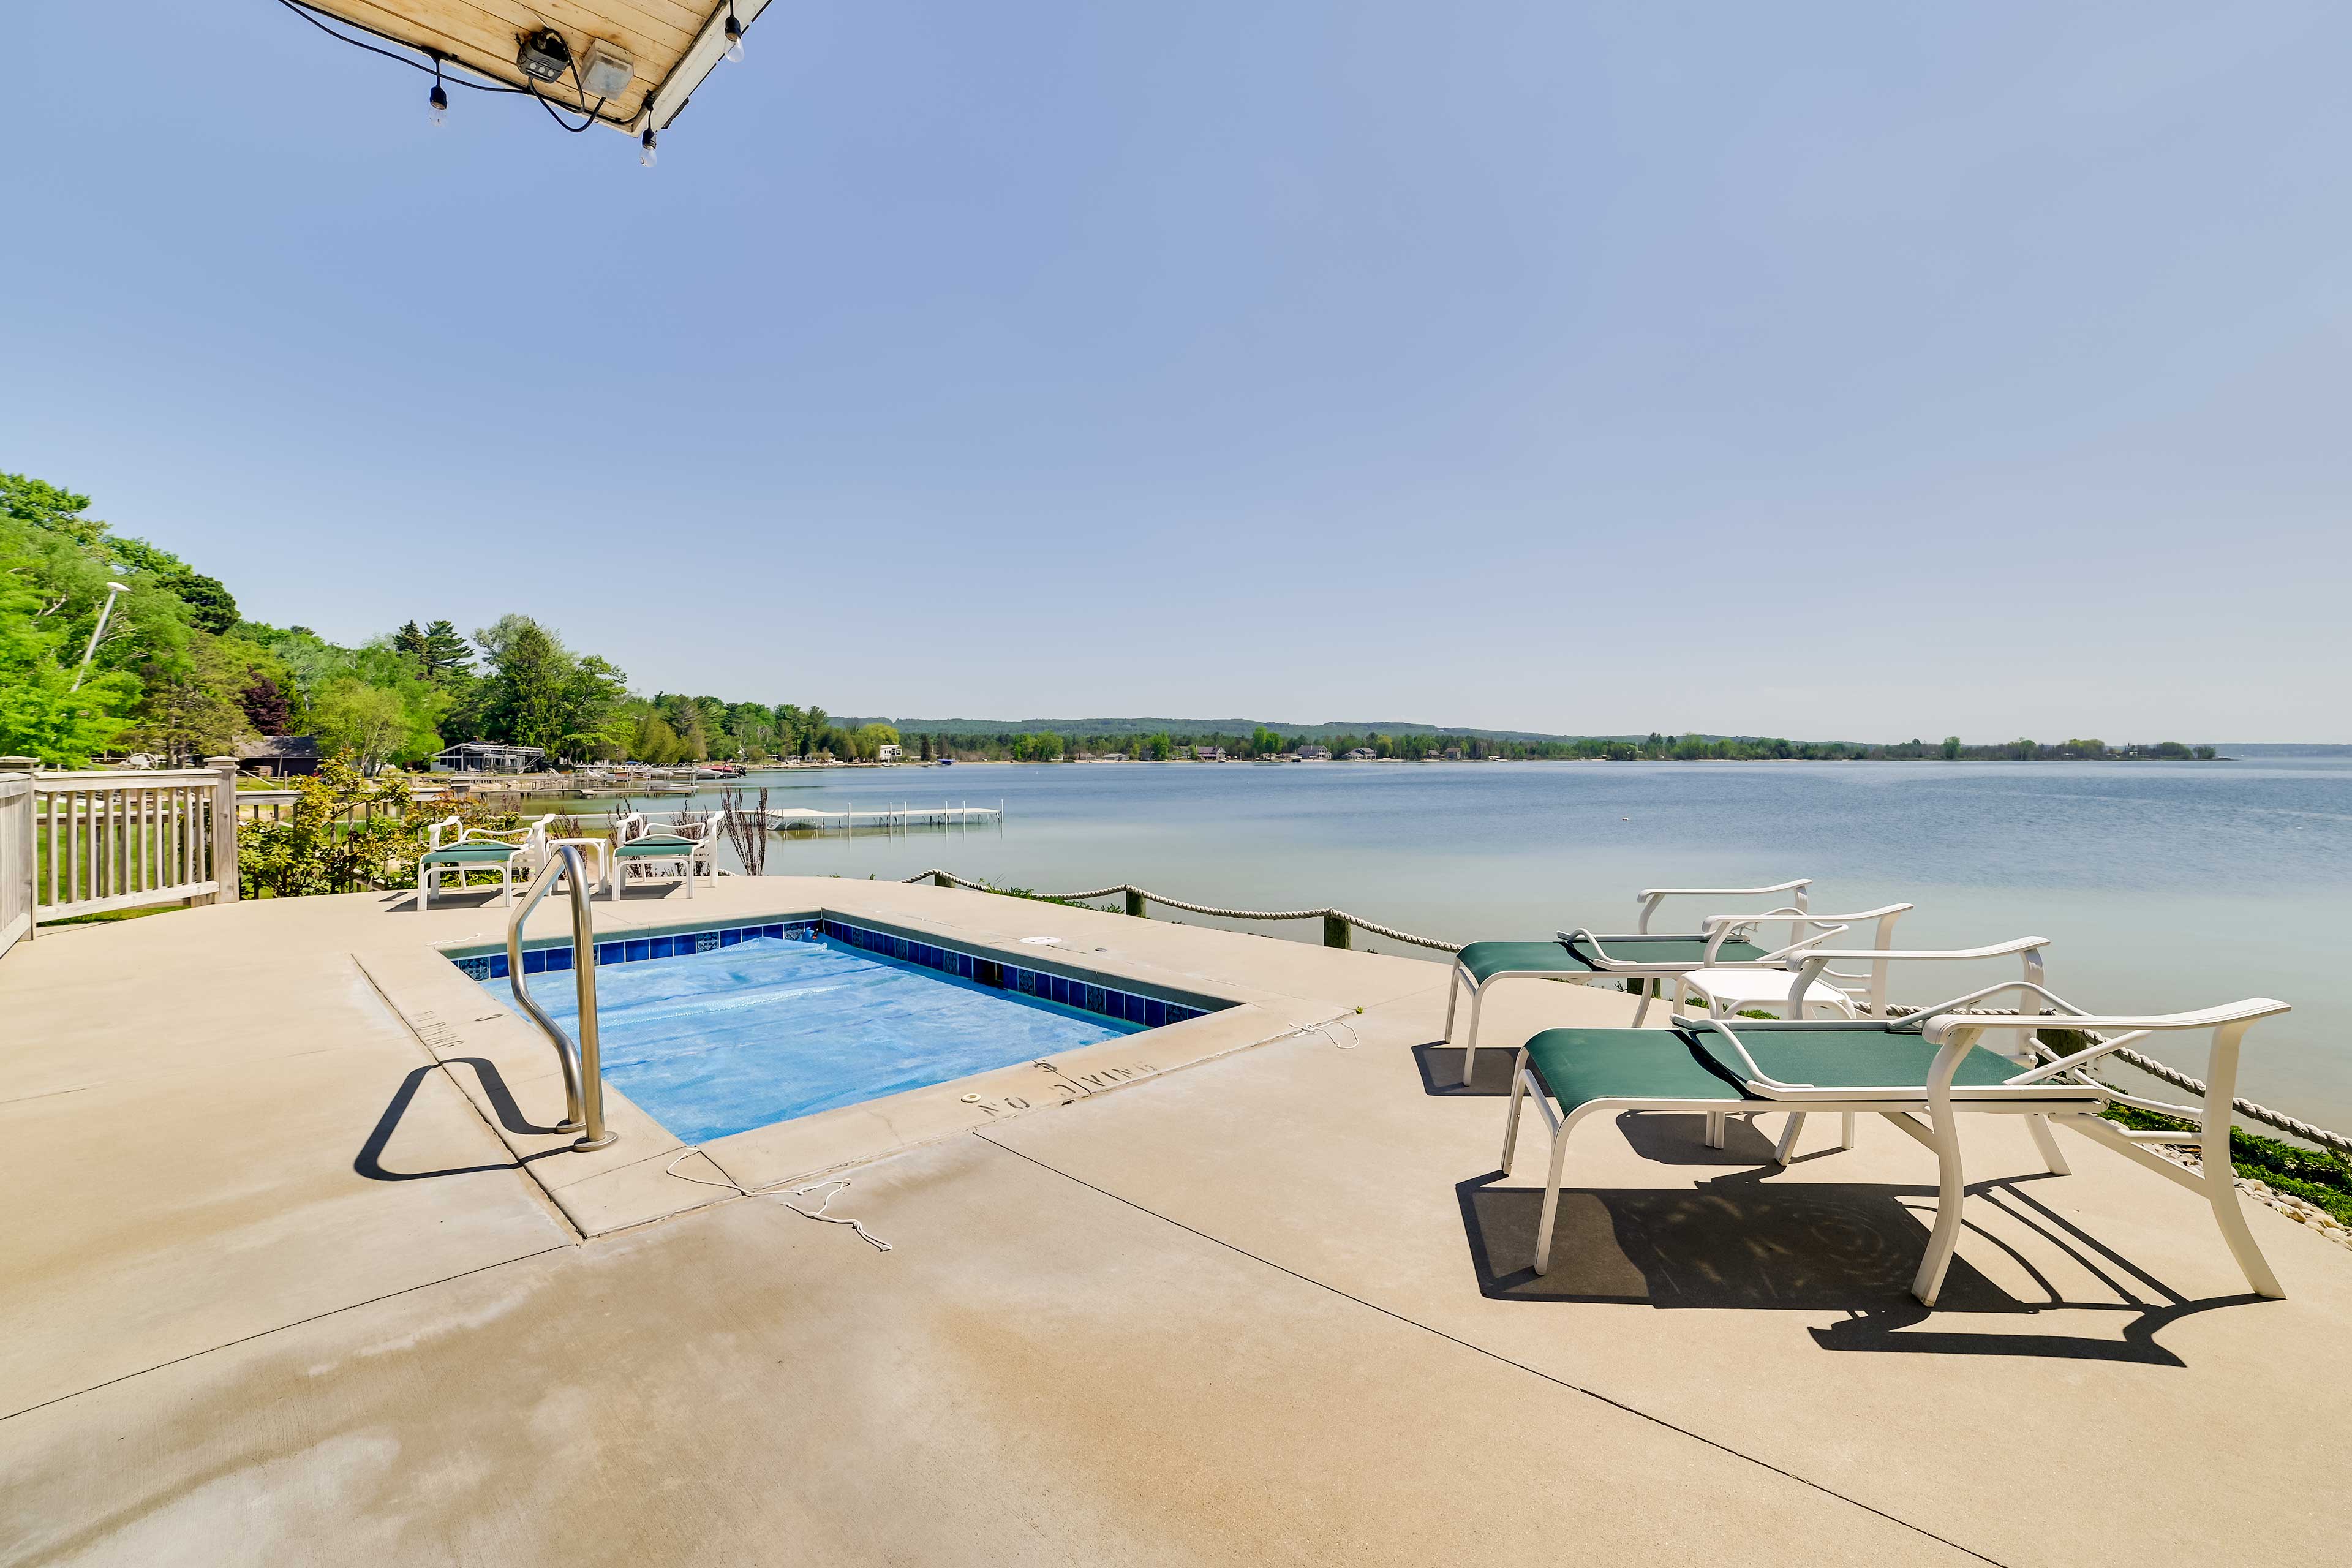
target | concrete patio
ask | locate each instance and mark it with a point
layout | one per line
(288, 1277)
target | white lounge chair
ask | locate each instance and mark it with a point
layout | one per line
(503, 850)
(1482, 963)
(1721, 943)
(689, 842)
(1931, 1065)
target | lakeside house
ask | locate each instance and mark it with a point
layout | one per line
(1314, 754)
(886, 752)
(486, 757)
(278, 756)
(1208, 754)
(1362, 755)
(1453, 753)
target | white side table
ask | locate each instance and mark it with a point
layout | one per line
(596, 849)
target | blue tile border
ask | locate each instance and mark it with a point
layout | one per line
(1085, 996)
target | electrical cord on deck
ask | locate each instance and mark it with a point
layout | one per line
(772, 1190)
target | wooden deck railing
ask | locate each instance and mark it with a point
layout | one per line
(16, 854)
(87, 843)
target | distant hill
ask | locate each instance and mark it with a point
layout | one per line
(2280, 749)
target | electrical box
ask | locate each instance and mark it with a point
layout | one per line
(605, 69)
(543, 55)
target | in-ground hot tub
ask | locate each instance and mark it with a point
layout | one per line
(717, 1031)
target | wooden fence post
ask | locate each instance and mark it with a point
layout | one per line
(225, 828)
(24, 876)
(1135, 905)
(1335, 930)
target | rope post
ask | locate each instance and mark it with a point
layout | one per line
(1334, 929)
(1135, 905)
(940, 880)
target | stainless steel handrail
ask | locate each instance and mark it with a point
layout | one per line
(584, 1077)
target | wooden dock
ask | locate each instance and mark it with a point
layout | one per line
(888, 818)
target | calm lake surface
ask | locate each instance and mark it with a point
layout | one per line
(2161, 885)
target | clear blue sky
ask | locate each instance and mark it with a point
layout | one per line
(1820, 369)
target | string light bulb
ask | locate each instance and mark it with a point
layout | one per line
(734, 34)
(437, 113)
(646, 147)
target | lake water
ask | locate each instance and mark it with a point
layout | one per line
(2161, 885)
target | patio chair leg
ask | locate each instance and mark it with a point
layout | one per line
(1715, 1133)
(1642, 1011)
(1518, 1097)
(1951, 1186)
(1470, 1045)
(424, 889)
(1551, 1199)
(2221, 1191)
(2044, 1140)
(1845, 1133)
(1453, 995)
(1788, 1144)
(505, 885)
(2221, 1175)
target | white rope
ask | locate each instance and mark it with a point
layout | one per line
(1390, 931)
(838, 1184)
(2293, 1126)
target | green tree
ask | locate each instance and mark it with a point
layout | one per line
(655, 741)
(544, 695)
(368, 723)
(40, 713)
(446, 654)
(1952, 747)
(44, 505)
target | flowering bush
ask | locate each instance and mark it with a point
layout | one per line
(347, 834)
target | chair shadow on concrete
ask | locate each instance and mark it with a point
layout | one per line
(450, 897)
(369, 1161)
(1743, 1242)
(1441, 1072)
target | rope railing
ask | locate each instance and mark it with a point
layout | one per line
(2291, 1125)
(949, 879)
(2178, 1079)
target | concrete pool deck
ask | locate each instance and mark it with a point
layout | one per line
(280, 1283)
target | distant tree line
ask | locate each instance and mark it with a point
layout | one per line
(1166, 745)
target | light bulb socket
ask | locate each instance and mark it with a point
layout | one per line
(438, 99)
(645, 142)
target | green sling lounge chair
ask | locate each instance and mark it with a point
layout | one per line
(1721, 945)
(1930, 1065)
(480, 850)
(691, 846)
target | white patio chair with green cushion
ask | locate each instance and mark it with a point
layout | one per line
(689, 842)
(1482, 963)
(1722, 944)
(504, 850)
(1930, 1065)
